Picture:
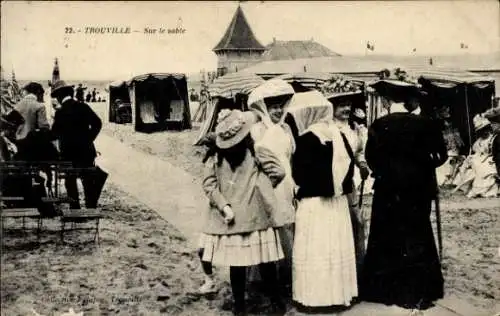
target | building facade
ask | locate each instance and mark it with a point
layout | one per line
(239, 48)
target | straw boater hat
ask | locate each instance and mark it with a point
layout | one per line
(480, 122)
(232, 127)
(58, 86)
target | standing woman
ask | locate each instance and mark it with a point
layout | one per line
(273, 139)
(239, 230)
(401, 265)
(324, 263)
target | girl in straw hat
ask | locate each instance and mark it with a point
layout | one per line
(239, 231)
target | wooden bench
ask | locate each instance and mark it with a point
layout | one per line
(60, 170)
(81, 216)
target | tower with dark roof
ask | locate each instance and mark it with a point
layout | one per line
(239, 47)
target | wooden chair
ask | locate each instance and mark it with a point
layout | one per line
(75, 217)
(18, 169)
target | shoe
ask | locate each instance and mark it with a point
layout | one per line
(210, 286)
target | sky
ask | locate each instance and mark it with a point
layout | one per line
(33, 33)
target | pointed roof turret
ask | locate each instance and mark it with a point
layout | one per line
(239, 35)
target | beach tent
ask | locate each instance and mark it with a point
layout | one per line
(464, 93)
(159, 101)
(117, 90)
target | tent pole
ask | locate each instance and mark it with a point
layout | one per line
(468, 118)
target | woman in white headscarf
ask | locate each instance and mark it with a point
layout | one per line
(324, 262)
(274, 140)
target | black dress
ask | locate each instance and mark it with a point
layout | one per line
(401, 265)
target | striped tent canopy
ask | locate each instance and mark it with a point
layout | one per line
(156, 76)
(229, 85)
(437, 75)
(447, 75)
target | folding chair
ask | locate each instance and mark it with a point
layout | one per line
(76, 216)
(18, 170)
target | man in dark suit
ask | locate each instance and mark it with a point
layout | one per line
(76, 126)
(401, 265)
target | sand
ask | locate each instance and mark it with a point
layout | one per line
(143, 265)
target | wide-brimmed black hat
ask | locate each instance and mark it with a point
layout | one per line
(59, 86)
(343, 97)
(397, 90)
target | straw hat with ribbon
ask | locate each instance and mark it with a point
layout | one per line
(232, 127)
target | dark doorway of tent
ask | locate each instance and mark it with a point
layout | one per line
(158, 102)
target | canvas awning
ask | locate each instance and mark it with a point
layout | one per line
(449, 75)
(229, 85)
(156, 76)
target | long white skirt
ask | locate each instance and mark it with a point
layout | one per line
(324, 261)
(242, 250)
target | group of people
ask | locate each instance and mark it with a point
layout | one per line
(282, 198)
(478, 175)
(89, 97)
(71, 137)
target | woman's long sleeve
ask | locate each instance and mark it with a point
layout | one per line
(211, 185)
(270, 164)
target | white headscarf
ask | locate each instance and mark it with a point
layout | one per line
(270, 88)
(308, 108)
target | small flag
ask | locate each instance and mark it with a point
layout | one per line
(370, 46)
(464, 46)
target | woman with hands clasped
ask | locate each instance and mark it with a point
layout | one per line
(239, 230)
